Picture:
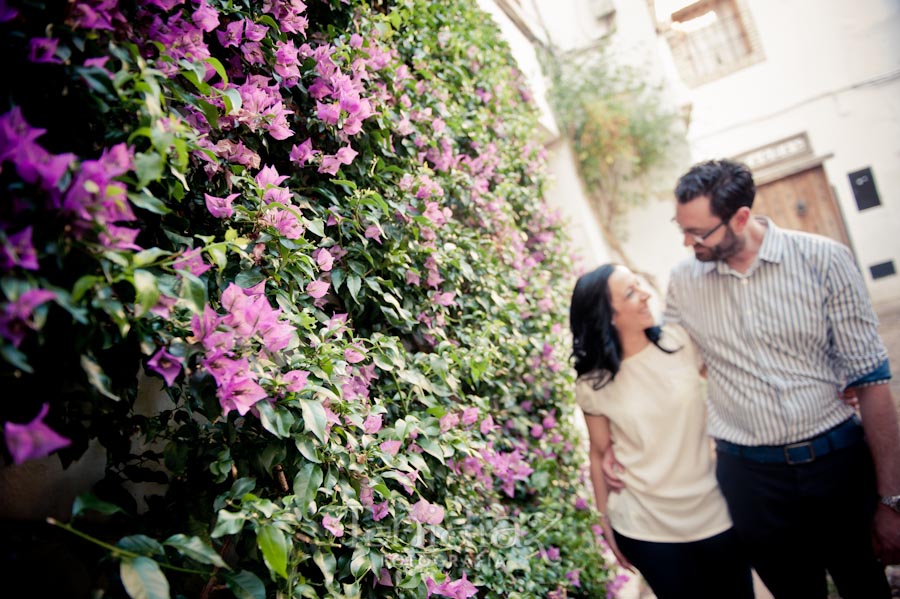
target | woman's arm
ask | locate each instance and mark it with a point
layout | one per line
(600, 443)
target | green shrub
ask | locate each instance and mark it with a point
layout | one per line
(314, 237)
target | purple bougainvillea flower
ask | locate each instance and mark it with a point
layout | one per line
(426, 513)
(165, 365)
(296, 380)
(372, 424)
(220, 207)
(324, 259)
(390, 447)
(19, 251)
(303, 153)
(373, 232)
(43, 50)
(16, 316)
(333, 525)
(7, 13)
(353, 356)
(192, 261)
(317, 288)
(32, 440)
(379, 511)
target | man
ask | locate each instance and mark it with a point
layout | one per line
(783, 321)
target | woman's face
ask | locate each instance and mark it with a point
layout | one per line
(629, 302)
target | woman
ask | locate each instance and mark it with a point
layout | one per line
(640, 387)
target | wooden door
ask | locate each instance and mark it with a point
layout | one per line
(802, 201)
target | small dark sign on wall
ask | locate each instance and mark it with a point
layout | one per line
(882, 269)
(863, 184)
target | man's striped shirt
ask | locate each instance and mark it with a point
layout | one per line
(780, 340)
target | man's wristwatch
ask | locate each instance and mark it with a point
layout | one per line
(892, 501)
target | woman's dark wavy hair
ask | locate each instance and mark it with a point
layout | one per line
(596, 347)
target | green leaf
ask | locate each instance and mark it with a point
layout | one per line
(196, 549)
(148, 202)
(359, 563)
(97, 377)
(314, 417)
(306, 484)
(141, 544)
(232, 99)
(88, 501)
(15, 357)
(273, 544)
(327, 564)
(307, 449)
(354, 283)
(143, 579)
(83, 284)
(193, 289)
(228, 523)
(148, 256)
(274, 419)
(245, 585)
(216, 64)
(149, 167)
(146, 288)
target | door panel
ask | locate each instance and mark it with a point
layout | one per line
(802, 201)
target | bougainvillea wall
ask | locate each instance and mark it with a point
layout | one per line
(314, 233)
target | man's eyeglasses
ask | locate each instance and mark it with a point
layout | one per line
(701, 238)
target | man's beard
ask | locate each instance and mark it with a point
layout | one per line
(728, 247)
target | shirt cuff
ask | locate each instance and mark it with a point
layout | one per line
(881, 374)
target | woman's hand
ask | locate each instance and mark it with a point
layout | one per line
(613, 546)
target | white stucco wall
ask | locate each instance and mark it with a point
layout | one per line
(832, 70)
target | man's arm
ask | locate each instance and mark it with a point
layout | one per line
(880, 422)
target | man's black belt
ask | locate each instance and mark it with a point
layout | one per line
(846, 434)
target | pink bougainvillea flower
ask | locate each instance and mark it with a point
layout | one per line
(457, 589)
(379, 511)
(448, 421)
(333, 525)
(19, 251)
(32, 440)
(232, 35)
(390, 447)
(192, 262)
(240, 393)
(296, 380)
(205, 17)
(303, 153)
(43, 50)
(353, 356)
(373, 232)
(220, 207)
(165, 365)
(372, 424)
(469, 416)
(426, 512)
(317, 288)
(324, 259)
(16, 316)
(385, 579)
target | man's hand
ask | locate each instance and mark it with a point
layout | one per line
(886, 535)
(850, 397)
(612, 471)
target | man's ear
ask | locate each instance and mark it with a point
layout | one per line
(740, 219)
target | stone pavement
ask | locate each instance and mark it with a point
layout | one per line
(889, 328)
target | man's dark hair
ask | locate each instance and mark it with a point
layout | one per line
(728, 185)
